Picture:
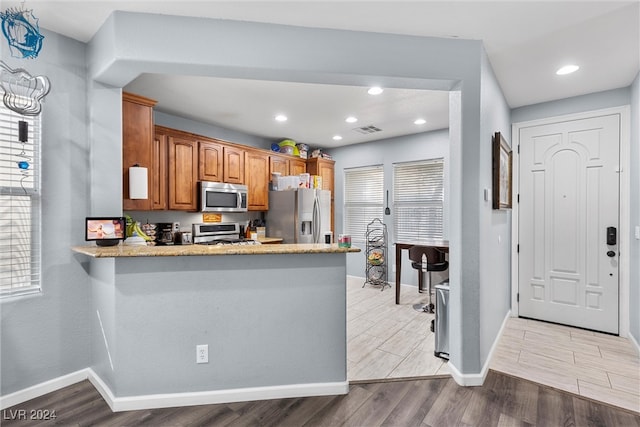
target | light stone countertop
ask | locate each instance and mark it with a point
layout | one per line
(123, 251)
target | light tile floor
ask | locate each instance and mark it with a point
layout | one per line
(385, 340)
(598, 366)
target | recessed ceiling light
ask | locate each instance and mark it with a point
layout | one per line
(337, 137)
(281, 118)
(419, 121)
(351, 119)
(376, 90)
(567, 69)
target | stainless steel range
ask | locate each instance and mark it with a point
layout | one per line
(220, 233)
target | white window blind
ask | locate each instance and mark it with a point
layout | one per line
(19, 205)
(418, 199)
(363, 199)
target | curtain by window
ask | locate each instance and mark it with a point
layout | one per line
(418, 200)
(363, 199)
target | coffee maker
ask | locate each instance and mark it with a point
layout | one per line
(164, 233)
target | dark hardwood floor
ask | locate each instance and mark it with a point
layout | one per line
(502, 401)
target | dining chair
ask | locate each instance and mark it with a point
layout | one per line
(426, 259)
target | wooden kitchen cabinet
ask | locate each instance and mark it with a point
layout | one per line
(325, 168)
(287, 165)
(137, 142)
(279, 164)
(158, 189)
(257, 180)
(233, 165)
(176, 164)
(210, 161)
(183, 173)
(297, 166)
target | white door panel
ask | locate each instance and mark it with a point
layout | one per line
(569, 195)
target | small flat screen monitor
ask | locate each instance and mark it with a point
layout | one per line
(105, 231)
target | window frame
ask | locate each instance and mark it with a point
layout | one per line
(21, 226)
(365, 202)
(404, 199)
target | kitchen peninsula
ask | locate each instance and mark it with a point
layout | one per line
(205, 250)
(273, 318)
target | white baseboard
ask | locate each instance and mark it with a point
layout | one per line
(478, 379)
(43, 388)
(168, 400)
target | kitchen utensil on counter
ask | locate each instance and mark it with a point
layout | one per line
(135, 241)
(183, 238)
(387, 211)
(164, 233)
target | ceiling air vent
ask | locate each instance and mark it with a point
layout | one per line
(368, 129)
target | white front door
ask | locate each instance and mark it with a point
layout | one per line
(569, 197)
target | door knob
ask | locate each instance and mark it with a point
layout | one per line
(611, 254)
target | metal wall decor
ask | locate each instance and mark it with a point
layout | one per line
(22, 32)
(23, 92)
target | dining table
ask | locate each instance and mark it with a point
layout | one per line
(440, 244)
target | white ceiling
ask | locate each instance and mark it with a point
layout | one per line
(526, 41)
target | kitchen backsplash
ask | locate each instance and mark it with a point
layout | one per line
(187, 218)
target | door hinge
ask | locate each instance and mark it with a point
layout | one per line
(518, 297)
(518, 198)
(518, 248)
(518, 148)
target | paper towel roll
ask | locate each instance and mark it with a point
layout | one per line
(138, 188)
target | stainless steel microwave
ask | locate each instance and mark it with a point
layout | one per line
(222, 197)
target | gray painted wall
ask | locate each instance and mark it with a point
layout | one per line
(634, 291)
(48, 335)
(287, 328)
(212, 131)
(576, 104)
(386, 152)
(495, 225)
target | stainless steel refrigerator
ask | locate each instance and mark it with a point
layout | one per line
(299, 216)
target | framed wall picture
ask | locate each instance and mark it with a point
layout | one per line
(502, 171)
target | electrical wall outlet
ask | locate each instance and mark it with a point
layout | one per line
(202, 353)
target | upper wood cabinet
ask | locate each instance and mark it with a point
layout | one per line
(325, 168)
(183, 173)
(287, 165)
(137, 140)
(257, 180)
(297, 166)
(278, 164)
(210, 161)
(233, 165)
(176, 160)
(158, 190)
